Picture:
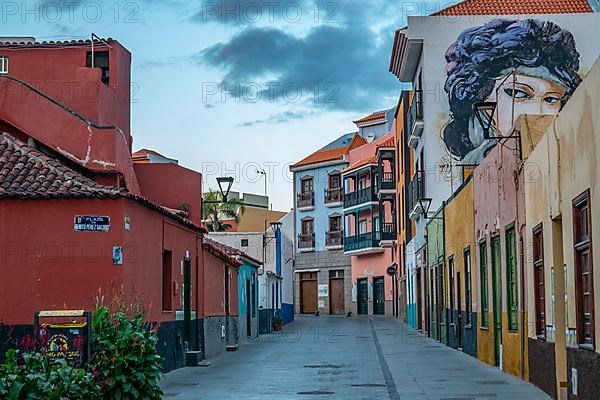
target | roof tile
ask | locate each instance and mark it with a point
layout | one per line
(516, 7)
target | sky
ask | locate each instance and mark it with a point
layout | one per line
(228, 87)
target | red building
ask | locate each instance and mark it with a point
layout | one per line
(78, 218)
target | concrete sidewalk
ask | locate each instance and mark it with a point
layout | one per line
(346, 358)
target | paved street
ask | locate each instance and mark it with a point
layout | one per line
(346, 358)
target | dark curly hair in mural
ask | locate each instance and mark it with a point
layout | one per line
(484, 54)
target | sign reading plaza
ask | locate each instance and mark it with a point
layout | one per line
(91, 223)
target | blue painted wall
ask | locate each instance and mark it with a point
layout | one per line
(245, 273)
(321, 212)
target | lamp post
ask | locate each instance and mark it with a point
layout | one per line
(276, 227)
(484, 111)
(225, 180)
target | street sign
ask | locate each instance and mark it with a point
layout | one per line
(91, 223)
(392, 270)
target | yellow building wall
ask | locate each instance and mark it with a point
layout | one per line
(258, 219)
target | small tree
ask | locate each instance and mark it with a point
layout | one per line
(214, 211)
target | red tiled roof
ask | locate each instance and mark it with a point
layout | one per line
(222, 251)
(389, 142)
(372, 117)
(336, 153)
(27, 173)
(232, 251)
(516, 7)
(356, 142)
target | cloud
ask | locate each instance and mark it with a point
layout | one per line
(340, 66)
(278, 118)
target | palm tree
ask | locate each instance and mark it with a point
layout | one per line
(214, 211)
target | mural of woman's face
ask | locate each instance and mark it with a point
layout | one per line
(530, 95)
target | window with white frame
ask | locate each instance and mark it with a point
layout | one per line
(3, 65)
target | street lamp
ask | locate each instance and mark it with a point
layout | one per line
(264, 173)
(225, 180)
(276, 227)
(484, 111)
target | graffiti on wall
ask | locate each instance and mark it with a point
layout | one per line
(524, 66)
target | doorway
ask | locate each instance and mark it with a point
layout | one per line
(362, 296)
(308, 292)
(378, 296)
(336, 292)
(459, 326)
(497, 299)
(248, 309)
(418, 289)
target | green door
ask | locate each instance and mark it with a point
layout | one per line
(363, 297)
(497, 298)
(378, 296)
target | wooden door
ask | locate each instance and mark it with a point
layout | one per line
(308, 292)
(378, 296)
(419, 300)
(497, 298)
(336, 292)
(363, 296)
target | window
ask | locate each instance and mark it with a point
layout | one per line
(100, 61)
(334, 181)
(335, 223)
(337, 274)
(3, 65)
(538, 282)
(307, 226)
(483, 271)
(451, 268)
(362, 183)
(375, 227)
(244, 243)
(362, 227)
(306, 185)
(512, 303)
(468, 297)
(167, 285)
(584, 277)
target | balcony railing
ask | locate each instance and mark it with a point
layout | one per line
(361, 241)
(388, 231)
(306, 199)
(416, 190)
(333, 195)
(415, 118)
(388, 181)
(358, 197)
(306, 240)
(334, 238)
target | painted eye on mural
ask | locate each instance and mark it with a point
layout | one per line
(517, 93)
(551, 99)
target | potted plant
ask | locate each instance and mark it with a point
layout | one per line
(277, 323)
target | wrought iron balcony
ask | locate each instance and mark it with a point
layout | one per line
(334, 238)
(388, 181)
(359, 197)
(306, 199)
(416, 192)
(362, 241)
(416, 118)
(333, 195)
(388, 231)
(306, 240)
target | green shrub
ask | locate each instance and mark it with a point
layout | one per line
(125, 361)
(35, 377)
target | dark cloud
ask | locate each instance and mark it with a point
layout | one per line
(336, 66)
(278, 118)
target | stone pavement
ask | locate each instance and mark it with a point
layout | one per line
(346, 358)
